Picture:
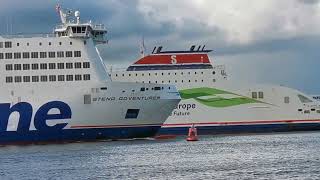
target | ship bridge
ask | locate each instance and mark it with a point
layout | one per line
(72, 27)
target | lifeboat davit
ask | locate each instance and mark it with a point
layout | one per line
(192, 135)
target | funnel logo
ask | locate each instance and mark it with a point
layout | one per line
(174, 59)
(41, 117)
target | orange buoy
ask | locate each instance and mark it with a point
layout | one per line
(192, 135)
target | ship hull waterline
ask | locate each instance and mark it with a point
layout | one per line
(240, 129)
(93, 134)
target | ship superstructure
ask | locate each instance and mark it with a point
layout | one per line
(214, 104)
(56, 87)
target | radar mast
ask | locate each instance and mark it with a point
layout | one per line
(71, 26)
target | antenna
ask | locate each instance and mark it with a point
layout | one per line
(11, 25)
(142, 47)
(62, 14)
(7, 32)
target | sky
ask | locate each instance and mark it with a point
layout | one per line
(259, 41)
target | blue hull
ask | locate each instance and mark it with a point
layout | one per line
(74, 135)
(241, 129)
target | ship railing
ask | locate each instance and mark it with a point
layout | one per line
(61, 26)
(113, 69)
(221, 67)
(43, 35)
(99, 27)
(120, 69)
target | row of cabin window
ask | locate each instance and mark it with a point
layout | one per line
(8, 44)
(50, 78)
(256, 95)
(26, 55)
(44, 66)
(153, 89)
(156, 74)
(176, 81)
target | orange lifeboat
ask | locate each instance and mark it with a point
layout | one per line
(192, 135)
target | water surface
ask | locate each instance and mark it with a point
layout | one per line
(278, 156)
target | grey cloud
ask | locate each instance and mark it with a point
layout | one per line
(126, 25)
(311, 2)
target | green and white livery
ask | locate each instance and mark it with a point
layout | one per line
(214, 104)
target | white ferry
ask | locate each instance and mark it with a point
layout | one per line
(55, 88)
(214, 104)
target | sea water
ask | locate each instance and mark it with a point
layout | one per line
(272, 156)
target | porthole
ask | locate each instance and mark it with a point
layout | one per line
(213, 72)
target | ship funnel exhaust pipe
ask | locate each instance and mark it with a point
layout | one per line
(159, 49)
(203, 47)
(154, 49)
(192, 48)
